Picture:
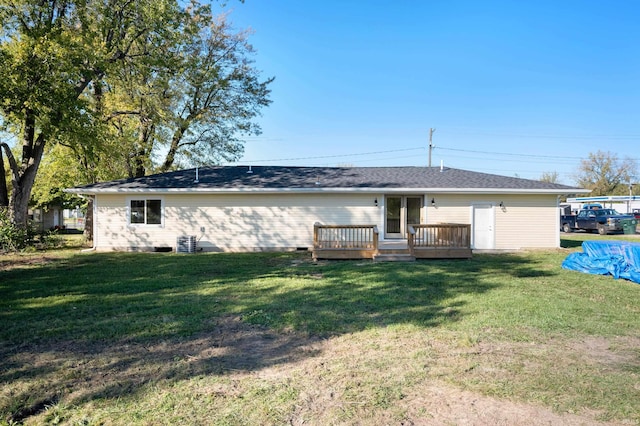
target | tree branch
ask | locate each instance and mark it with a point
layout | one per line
(13, 165)
(115, 114)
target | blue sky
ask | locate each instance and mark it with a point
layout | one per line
(511, 87)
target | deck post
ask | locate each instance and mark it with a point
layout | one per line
(315, 233)
(376, 235)
(316, 227)
(411, 235)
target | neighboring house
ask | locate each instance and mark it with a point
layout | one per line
(53, 217)
(247, 208)
(47, 218)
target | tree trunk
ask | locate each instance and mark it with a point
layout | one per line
(25, 176)
(4, 192)
(19, 209)
(173, 149)
(20, 196)
(139, 169)
(145, 134)
(88, 221)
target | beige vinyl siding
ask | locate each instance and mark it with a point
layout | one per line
(451, 208)
(246, 222)
(527, 221)
(110, 222)
(231, 222)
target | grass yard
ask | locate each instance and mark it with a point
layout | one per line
(245, 339)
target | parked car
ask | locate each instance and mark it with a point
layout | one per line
(602, 220)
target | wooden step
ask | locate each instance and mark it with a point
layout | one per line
(393, 257)
(393, 245)
(394, 251)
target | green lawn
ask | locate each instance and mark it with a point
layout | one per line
(122, 338)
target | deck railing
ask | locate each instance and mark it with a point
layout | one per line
(363, 237)
(361, 241)
(442, 235)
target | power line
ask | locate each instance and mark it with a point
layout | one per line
(548, 158)
(510, 154)
(555, 158)
(368, 160)
(529, 158)
(518, 171)
(334, 156)
(471, 131)
(560, 160)
(547, 136)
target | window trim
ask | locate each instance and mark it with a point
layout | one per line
(145, 224)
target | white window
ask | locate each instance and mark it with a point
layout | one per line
(145, 212)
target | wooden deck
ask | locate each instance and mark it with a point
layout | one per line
(441, 241)
(345, 241)
(444, 240)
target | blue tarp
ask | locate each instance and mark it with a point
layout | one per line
(618, 258)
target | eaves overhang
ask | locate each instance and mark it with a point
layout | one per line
(321, 190)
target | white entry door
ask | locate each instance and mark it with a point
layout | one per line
(483, 224)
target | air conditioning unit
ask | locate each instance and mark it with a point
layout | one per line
(186, 244)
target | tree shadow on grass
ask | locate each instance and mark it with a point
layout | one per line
(105, 326)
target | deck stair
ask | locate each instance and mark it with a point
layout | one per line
(393, 251)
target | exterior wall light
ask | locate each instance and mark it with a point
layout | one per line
(433, 202)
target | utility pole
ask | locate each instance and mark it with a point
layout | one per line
(431, 130)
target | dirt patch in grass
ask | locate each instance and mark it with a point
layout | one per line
(564, 374)
(415, 389)
(78, 372)
(445, 405)
(381, 377)
(9, 262)
(609, 352)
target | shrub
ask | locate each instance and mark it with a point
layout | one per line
(12, 238)
(51, 239)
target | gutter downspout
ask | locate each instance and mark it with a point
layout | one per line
(558, 221)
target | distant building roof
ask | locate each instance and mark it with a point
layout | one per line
(225, 179)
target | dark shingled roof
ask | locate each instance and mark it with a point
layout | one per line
(264, 178)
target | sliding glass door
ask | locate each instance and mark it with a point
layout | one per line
(400, 211)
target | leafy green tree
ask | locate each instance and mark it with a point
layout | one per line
(133, 82)
(192, 103)
(605, 174)
(58, 170)
(215, 99)
(51, 51)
